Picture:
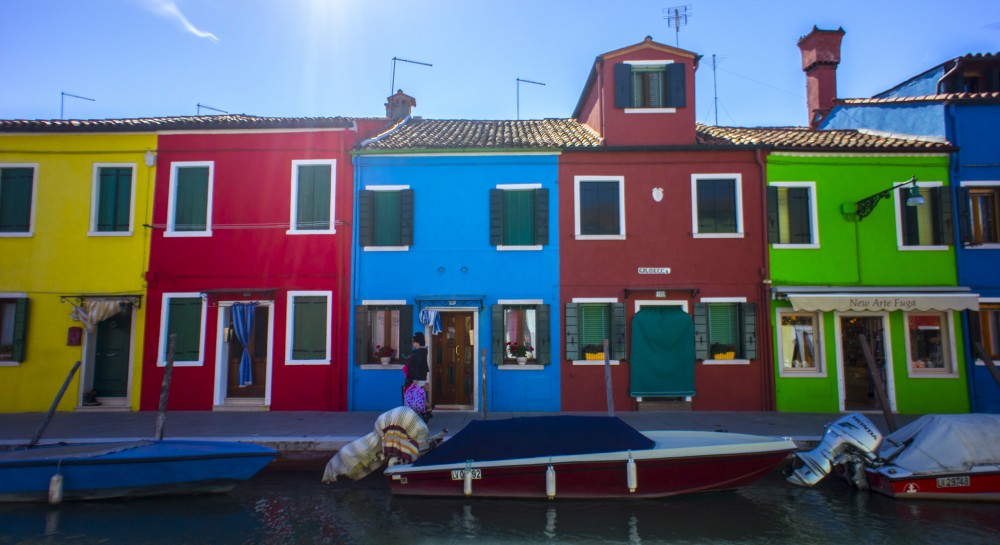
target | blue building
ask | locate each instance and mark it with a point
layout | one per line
(456, 237)
(957, 101)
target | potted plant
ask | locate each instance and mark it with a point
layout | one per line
(519, 351)
(384, 353)
(593, 352)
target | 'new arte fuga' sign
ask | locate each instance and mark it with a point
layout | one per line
(883, 303)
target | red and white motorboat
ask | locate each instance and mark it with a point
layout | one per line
(947, 457)
(585, 457)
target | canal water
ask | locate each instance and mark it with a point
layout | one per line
(293, 507)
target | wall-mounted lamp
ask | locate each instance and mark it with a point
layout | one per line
(865, 206)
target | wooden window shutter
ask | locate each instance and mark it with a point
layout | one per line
(366, 218)
(623, 85)
(20, 329)
(388, 218)
(15, 199)
(407, 212)
(496, 217)
(542, 216)
(362, 332)
(191, 206)
(910, 221)
(965, 235)
(114, 199)
(773, 224)
(676, 87)
(701, 340)
(618, 331)
(749, 333)
(313, 203)
(944, 230)
(543, 335)
(798, 216)
(184, 321)
(499, 346)
(309, 327)
(572, 331)
(406, 328)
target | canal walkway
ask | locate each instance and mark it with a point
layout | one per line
(306, 435)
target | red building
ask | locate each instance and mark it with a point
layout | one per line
(663, 246)
(249, 263)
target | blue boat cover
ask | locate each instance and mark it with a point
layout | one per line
(536, 436)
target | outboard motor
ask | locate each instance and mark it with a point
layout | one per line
(852, 432)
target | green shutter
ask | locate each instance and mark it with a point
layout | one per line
(572, 331)
(191, 199)
(496, 334)
(618, 331)
(15, 199)
(114, 199)
(184, 321)
(406, 212)
(366, 218)
(716, 206)
(944, 229)
(313, 205)
(518, 218)
(623, 85)
(388, 218)
(543, 335)
(700, 318)
(798, 216)
(309, 331)
(20, 329)
(910, 221)
(496, 217)
(773, 223)
(676, 87)
(965, 236)
(542, 217)
(595, 323)
(362, 332)
(749, 333)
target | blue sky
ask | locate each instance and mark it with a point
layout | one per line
(146, 58)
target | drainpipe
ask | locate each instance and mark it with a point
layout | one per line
(940, 80)
(764, 352)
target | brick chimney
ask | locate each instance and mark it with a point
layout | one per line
(399, 106)
(820, 57)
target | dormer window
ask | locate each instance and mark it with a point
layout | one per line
(650, 86)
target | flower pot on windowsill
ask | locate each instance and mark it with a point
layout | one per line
(594, 355)
(521, 360)
(385, 360)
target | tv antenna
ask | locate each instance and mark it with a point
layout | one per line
(62, 101)
(200, 106)
(392, 82)
(519, 82)
(715, 88)
(677, 17)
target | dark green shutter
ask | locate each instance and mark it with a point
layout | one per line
(406, 212)
(362, 331)
(975, 331)
(20, 329)
(114, 199)
(366, 218)
(499, 346)
(749, 333)
(572, 331)
(191, 199)
(406, 328)
(623, 85)
(716, 206)
(773, 223)
(309, 327)
(944, 231)
(542, 217)
(701, 339)
(388, 218)
(518, 218)
(618, 331)
(800, 226)
(313, 204)
(676, 88)
(910, 221)
(543, 336)
(184, 321)
(496, 217)
(965, 235)
(15, 199)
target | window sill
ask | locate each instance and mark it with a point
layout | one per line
(599, 237)
(109, 233)
(519, 367)
(307, 362)
(182, 364)
(795, 246)
(650, 110)
(717, 235)
(594, 363)
(311, 232)
(979, 361)
(988, 246)
(386, 248)
(726, 362)
(16, 235)
(381, 366)
(922, 248)
(533, 248)
(187, 234)
(6, 363)
(801, 374)
(918, 373)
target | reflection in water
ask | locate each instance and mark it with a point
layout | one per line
(280, 507)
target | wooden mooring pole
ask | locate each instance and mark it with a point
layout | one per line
(876, 378)
(607, 378)
(55, 404)
(161, 416)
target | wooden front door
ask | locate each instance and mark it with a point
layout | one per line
(114, 337)
(859, 385)
(453, 360)
(258, 356)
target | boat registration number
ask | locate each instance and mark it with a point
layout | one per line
(950, 482)
(459, 474)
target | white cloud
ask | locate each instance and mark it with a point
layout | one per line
(169, 9)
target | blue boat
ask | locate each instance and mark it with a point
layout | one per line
(86, 471)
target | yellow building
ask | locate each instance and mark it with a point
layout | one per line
(73, 251)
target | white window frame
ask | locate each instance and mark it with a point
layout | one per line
(813, 219)
(899, 206)
(577, 180)
(738, 178)
(95, 197)
(294, 205)
(650, 110)
(386, 248)
(890, 366)
(290, 326)
(34, 198)
(527, 366)
(172, 201)
(518, 187)
(990, 184)
(820, 371)
(591, 300)
(737, 300)
(12, 295)
(948, 329)
(164, 322)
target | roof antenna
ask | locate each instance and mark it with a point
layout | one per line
(62, 101)
(392, 82)
(677, 17)
(200, 106)
(519, 81)
(715, 87)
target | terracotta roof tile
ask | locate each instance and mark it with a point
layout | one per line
(802, 138)
(955, 97)
(439, 134)
(150, 124)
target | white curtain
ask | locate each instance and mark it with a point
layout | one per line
(92, 313)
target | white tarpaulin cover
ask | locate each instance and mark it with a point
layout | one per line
(399, 433)
(884, 302)
(954, 442)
